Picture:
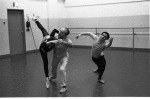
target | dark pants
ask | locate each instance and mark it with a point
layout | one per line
(44, 48)
(101, 64)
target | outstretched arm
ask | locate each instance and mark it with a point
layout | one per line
(67, 43)
(52, 42)
(109, 43)
(92, 35)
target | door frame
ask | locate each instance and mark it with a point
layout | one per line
(23, 29)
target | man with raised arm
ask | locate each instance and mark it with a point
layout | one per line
(97, 53)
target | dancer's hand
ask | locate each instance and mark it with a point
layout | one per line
(111, 39)
(78, 36)
(45, 38)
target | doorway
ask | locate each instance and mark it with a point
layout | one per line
(16, 31)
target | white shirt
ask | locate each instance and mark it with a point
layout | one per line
(61, 49)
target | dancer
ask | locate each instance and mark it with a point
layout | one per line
(61, 56)
(45, 48)
(97, 53)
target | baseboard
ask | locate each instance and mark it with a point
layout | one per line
(32, 51)
(120, 48)
(27, 52)
(81, 46)
(86, 47)
(116, 48)
(5, 56)
(129, 49)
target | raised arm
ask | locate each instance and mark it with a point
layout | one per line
(109, 43)
(68, 42)
(92, 35)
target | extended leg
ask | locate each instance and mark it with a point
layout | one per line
(45, 61)
(63, 64)
(101, 63)
(44, 32)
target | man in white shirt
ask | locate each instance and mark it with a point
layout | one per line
(61, 56)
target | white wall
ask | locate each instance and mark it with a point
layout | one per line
(77, 8)
(39, 7)
(75, 3)
(104, 14)
(57, 12)
(76, 13)
(125, 9)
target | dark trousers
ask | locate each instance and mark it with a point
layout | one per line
(101, 64)
(43, 30)
(44, 48)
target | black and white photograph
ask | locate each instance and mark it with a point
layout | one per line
(74, 48)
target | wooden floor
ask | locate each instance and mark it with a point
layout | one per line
(127, 74)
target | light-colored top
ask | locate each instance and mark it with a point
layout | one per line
(99, 44)
(98, 47)
(61, 49)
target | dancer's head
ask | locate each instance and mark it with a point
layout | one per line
(64, 32)
(105, 35)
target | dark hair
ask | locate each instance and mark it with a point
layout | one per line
(68, 32)
(106, 34)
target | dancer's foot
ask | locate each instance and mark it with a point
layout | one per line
(63, 89)
(96, 71)
(34, 18)
(101, 81)
(47, 82)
